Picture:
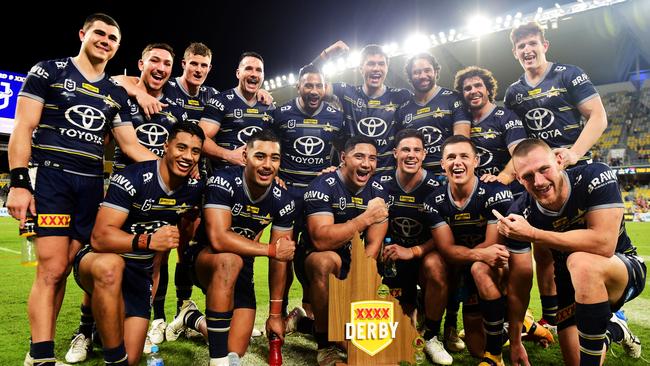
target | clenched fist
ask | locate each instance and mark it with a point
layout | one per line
(165, 238)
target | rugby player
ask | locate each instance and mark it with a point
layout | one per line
(465, 232)
(435, 111)
(308, 128)
(239, 203)
(369, 109)
(139, 217)
(495, 130)
(413, 249)
(578, 214)
(551, 99)
(337, 206)
(64, 110)
(231, 117)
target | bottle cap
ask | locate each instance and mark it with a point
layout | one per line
(387, 239)
(154, 348)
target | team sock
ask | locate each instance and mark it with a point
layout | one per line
(432, 328)
(42, 353)
(86, 322)
(193, 319)
(183, 283)
(218, 330)
(161, 292)
(592, 320)
(549, 308)
(493, 312)
(116, 356)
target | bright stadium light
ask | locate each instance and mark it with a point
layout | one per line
(266, 85)
(452, 34)
(340, 64)
(329, 69)
(479, 25)
(518, 15)
(284, 77)
(390, 48)
(416, 43)
(272, 84)
(278, 81)
(498, 20)
(292, 79)
(443, 37)
(354, 58)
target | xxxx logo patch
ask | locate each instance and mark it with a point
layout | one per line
(53, 220)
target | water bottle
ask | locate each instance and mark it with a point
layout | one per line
(28, 247)
(390, 270)
(154, 358)
(275, 350)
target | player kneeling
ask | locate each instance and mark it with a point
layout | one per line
(139, 217)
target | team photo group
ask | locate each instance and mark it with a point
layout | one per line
(459, 199)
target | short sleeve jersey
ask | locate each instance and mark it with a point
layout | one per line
(77, 114)
(469, 222)
(193, 105)
(591, 187)
(373, 117)
(549, 109)
(328, 195)
(227, 189)
(140, 191)
(436, 120)
(237, 119)
(407, 224)
(494, 135)
(306, 140)
(151, 133)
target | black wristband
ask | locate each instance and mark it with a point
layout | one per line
(134, 242)
(19, 178)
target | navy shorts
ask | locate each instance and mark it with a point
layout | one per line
(137, 284)
(636, 271)
(66, 203)
(245, 285)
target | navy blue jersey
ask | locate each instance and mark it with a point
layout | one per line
(493, 135)
(227, 189)
(151, 133)
(140, 191)
(372, 117)
(193, 105)
(436, 120)
(549, 109)
(591, 187)
(77, 114)
(469, 222)
(328, 195)
(407, 225)
(306, 140)
(237, 119)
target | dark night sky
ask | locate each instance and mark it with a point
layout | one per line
(288, 34)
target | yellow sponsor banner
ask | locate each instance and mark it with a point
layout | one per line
(53, 220)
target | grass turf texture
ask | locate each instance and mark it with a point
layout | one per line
(16, 282)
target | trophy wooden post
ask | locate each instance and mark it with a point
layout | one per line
(362, 312)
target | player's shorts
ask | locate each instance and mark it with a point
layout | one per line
(137, 284)
(66, 203)
(403, 286)
(636, 271)
(518, 247)
(244, 287)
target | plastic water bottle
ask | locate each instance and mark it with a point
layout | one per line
(28, 247)
(390, 270)
(275, 350)
(154, 358)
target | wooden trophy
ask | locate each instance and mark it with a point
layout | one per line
(363, 312)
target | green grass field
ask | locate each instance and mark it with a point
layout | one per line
(16, 282)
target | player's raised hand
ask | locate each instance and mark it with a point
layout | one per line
(335, 49)
(377, 211)
(165, 238)
(264, 97)
(236, 157)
